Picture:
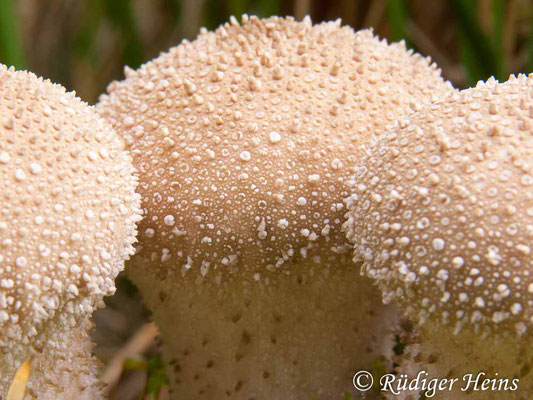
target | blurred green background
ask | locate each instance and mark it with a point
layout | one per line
(84, 44)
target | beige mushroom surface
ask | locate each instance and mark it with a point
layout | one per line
(441, 214)
(68, 210)
(244, 140)
(65, 368)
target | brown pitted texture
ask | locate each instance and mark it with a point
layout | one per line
(244, 140)
(442, 217)
(435, 350)
(68, 210)
(65, 367)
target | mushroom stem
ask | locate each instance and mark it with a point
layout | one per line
(499, 364)
(63, 369)
(303, 335)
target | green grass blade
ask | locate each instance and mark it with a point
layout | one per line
(267, 8)
(498, 16)
(156, 376)
(238, 7)
(121, 15)
(82, 44)
(398, 18)
(214, 10)
(530, 48)
(477, 52)
(174, 6)
(10, 50)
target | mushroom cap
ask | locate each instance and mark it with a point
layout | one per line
(442, 210)
(68, 210)
(245, 137)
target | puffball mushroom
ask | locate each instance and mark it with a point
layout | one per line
(244, 139)
(68, 210)
(442, 217)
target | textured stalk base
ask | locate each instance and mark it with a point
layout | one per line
(64, 370)
(449, 356)
(296, 334)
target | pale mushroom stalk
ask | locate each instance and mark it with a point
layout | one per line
(68, 213)
(244, 140)
(442, 217)
(65, 368)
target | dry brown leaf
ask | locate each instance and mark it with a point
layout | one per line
(18, 386)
